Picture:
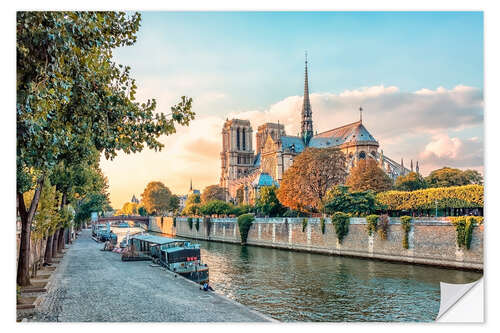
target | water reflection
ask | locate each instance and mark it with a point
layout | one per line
(296, 286)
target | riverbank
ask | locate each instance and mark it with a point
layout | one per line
(90, 285)
(431, 241)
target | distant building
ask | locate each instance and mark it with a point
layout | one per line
(183, 198)
(134, 199)
(243, 170)
(191, 190)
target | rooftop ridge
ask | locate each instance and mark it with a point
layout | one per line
(337, 128)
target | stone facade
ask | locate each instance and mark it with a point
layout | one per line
(431, 241)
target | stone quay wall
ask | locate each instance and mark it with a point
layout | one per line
(432, 241)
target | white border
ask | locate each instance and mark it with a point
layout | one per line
(492, 109)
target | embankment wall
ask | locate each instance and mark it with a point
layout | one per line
(431, 241)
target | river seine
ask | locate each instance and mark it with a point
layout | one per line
(297, 286)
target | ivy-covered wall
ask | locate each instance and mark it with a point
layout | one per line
(430, 241)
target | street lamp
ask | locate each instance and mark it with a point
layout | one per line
(436, 202)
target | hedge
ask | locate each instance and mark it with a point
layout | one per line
(468, 196)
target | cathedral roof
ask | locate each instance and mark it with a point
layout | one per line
(264, 179)
(348, 133)
(295, 142)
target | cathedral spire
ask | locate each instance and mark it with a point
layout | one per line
(307, 126)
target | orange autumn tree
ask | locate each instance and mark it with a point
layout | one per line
(312, 173)
(366, 175)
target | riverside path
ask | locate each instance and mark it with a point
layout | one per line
(96, 286)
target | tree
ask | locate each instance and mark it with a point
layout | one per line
(156, 198)
(267, 203)
(142, 211)
(193, 199)
(192, 209)
(312, 173)
(340, 199)
(174, 203)
(129, 208)
(473, 177)
(72, 97)
(446, 177)
(213, 192)
(410, 182)
(366, 175)
(218, 207)
(193, 204)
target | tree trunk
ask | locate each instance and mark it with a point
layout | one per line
(60, 240)
(23, 277)
(48, 249)
(54, 243)
(68, 235)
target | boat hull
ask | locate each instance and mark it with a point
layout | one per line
(199, 277)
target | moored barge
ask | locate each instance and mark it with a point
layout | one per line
(179, 256)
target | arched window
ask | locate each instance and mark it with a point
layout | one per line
(238, 138)
(244, 139)
(362, 155)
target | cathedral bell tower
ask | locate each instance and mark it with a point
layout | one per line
(237, 152)
(307, 124)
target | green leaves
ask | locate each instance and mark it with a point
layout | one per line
(340, 199)
(267, 202)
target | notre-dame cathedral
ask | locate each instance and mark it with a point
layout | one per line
(245, 170)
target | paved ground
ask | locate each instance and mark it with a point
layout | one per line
(92, 285)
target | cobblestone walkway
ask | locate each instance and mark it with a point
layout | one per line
(95, 286)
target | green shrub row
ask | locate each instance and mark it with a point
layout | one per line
(468, 196)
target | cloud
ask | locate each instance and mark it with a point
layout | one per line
(438, 127)
(454, 152)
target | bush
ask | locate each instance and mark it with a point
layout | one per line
(468, 196)
(464, 226)
(383, 226)
(371, 224)
(244, 223)
(341, 222)
(304, 224)
(190, 222)
(406, 226)
(322, 224)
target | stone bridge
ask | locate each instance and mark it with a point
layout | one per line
(118, 218)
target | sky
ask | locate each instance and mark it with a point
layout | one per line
(418, 76)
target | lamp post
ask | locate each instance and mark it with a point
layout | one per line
(436, 202)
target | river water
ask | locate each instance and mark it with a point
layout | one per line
(298, 286)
